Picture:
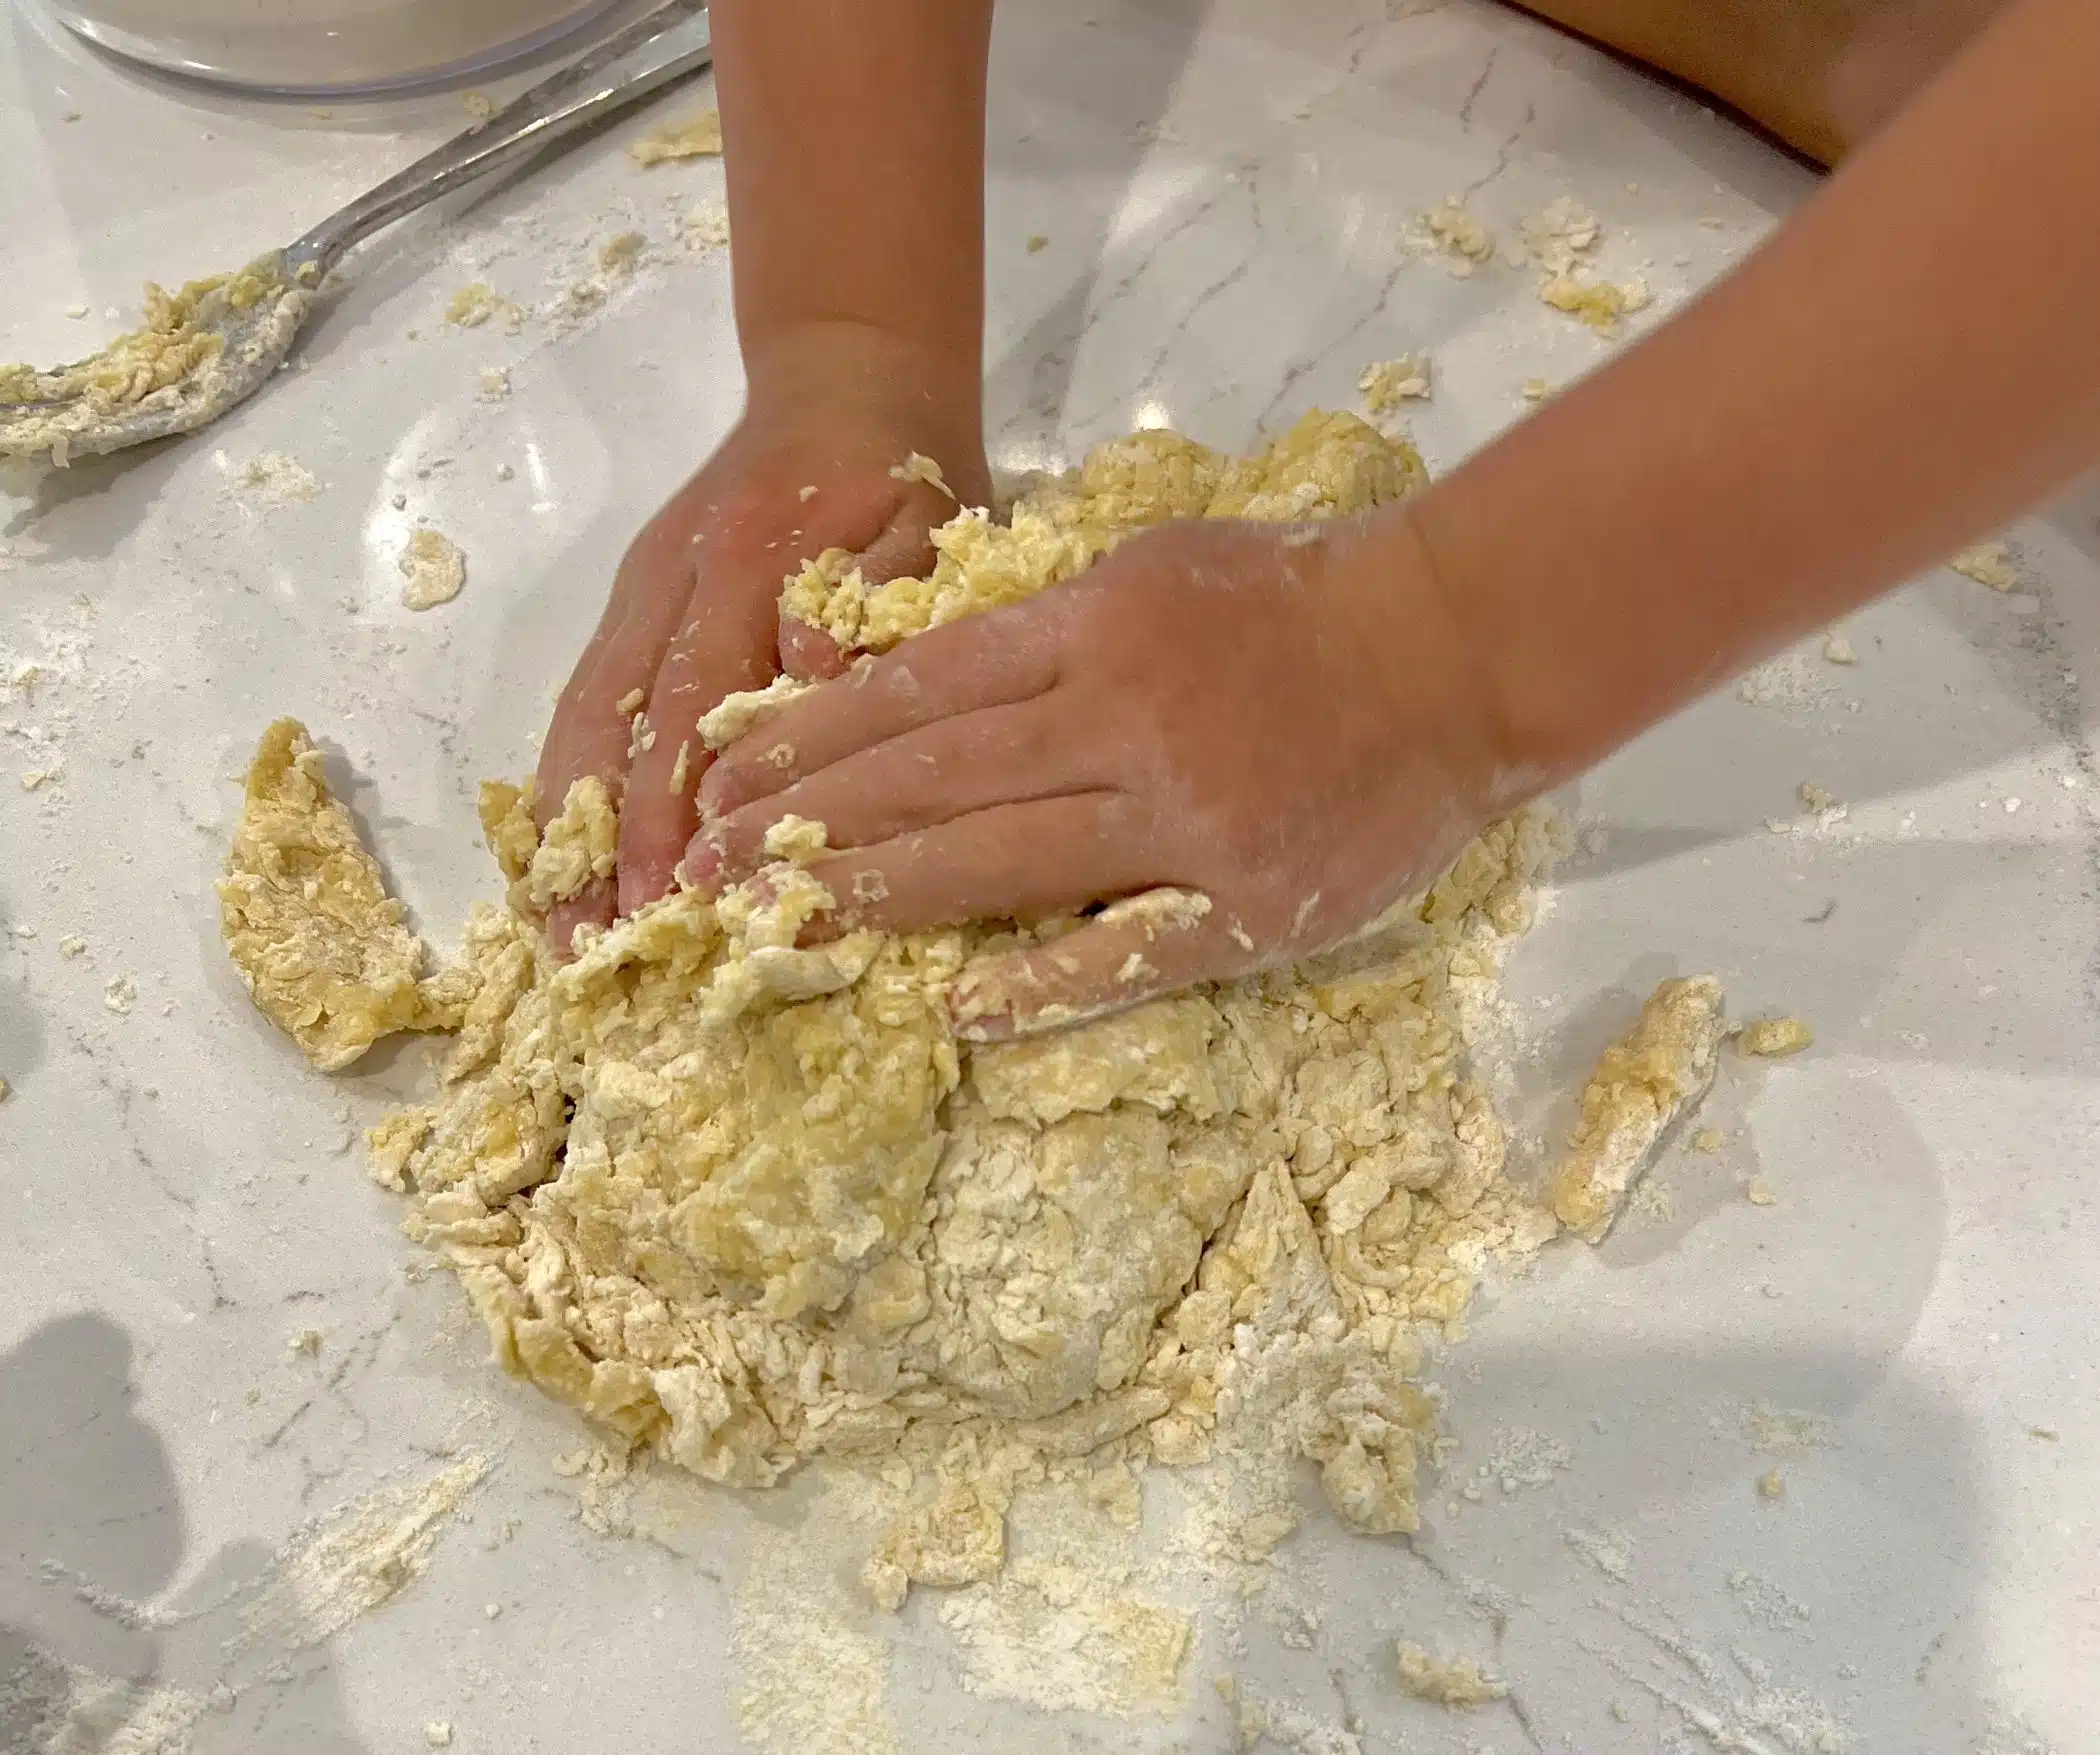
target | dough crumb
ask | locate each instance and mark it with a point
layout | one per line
(696, 136)
(1388, 383)
(477, 104)
(1037, 242)
(918, 467)
(1759, 1193)
(475, 303)
(1457, 1682)
(1464, 241)
(434, 566)
(1839, 650)
(1642, 1083)
(1708, 1139)
(1536, 389)
(1561, 235)
(274, 479)
(796, 839)
(1988, 564)
(1773, 1038)
(438, 1734)
(705, 226)
(495, 383)
(119, 994)
(959, 1539)
(1597, 303)
(1771, 1484)
(307, 920)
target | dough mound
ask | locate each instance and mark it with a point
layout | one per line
(746, 1203)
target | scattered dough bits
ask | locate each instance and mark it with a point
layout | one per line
(1455, 1682)
(1598, 303)
(1464, 241)
(1837, 649)
(696, 136)
(1771, 1484)
(1388, 383)
(477, 302)
(495, 383)
(307, 920)
(435, 568)
(1988, 563)
(705, 226)
(746, 1203)
(271, 479)
(1642, 1083)
(1536, 389)
(1560, 240)
(1774, 1038)
(478, 104)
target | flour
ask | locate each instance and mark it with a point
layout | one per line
(360, 1557)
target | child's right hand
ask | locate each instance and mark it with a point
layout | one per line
(693, 613)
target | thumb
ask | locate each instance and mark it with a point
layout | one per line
(1132, 951)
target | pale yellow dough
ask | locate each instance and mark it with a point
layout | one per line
(747, 1203)
(696, 136)
(307, 920)
(1454, 1682)
(1642, 1083)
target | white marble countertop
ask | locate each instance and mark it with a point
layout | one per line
(1228, 192)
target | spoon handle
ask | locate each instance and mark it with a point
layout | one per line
(654, 50)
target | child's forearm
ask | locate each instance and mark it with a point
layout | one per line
(1912, 361)
(855, 135)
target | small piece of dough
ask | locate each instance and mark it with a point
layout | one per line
(580, 844)
(1773, 1038)
(1641, 1084)
(435, 568)
(307, 920)
(1457, 1682)
(696, 136)
(1988, 564)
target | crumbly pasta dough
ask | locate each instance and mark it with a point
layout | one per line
(307, 920)
(1642, 1083)
(1457, 1682)
(749, 1203)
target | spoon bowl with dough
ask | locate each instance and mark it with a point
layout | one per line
(212, 345)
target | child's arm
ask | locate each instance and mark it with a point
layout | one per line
(855, 134)
(1303, 729)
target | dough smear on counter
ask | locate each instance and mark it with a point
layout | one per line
(748, 1203)
(307, 920)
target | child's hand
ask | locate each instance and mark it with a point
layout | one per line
(1289, 720)
(693, 616)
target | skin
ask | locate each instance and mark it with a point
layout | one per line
(1302, 724)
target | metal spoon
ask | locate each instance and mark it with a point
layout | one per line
(82, 409)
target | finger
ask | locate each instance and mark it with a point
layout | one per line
(726, 645)
(589, 732)
(903, 549)
(1004, 755)
(1146, 947)
(965, 667)
(1014, 861)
